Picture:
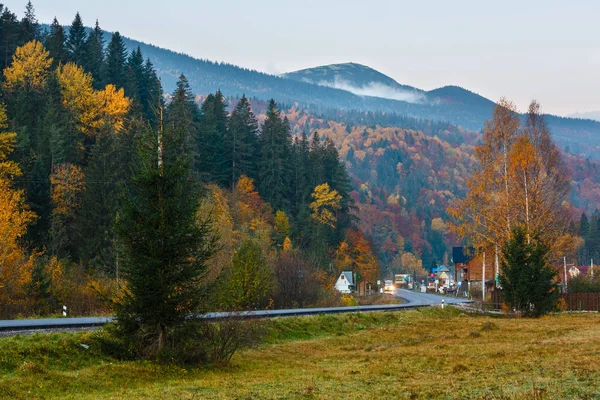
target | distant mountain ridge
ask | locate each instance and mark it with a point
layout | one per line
(358, 79)
(452, 104)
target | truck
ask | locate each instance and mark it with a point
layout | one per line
(403, 281)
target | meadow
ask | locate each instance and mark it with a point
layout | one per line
(425, 353)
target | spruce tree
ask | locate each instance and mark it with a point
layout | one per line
(212, 162)
(116, 59)
(274, 171)
(183, 116)
(242, 141)
(56, 43)
(150, 92)
(94, 56)
(30, 27)
(134, 75)
(76, 41)
(526, 277)
(10, 36)
(164, 248)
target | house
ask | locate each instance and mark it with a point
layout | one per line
(468, 268)
(345, 282)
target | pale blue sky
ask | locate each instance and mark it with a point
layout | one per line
(548, 50)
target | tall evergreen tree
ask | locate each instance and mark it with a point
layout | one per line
(56, 43)
(10, 35)
(76, 41)
(212, 162)
(116, 59)
(527, 279)
(242, 141)
(182, 116)
(134, 75)
(165, 250)
(94, 55)
(150, 92)
(30, 27)
(274, 173)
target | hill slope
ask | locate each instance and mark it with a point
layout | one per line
(358, 79)
(452, 104)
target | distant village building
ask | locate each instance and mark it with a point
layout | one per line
(345, 282)
(468, 269)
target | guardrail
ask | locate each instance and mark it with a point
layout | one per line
(90, 322)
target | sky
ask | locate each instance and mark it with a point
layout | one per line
(545, 50)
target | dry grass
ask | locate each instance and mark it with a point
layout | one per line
(416, 354)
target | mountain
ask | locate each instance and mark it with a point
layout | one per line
(451, 104)
(595, 115)
(358, 79)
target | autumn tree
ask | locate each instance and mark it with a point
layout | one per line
(325, 205)
(520, 181)
(15, 265)
(249, 283)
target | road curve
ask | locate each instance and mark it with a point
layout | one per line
(427, 299)
(411, 300)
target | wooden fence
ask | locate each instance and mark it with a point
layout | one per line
(573, 301)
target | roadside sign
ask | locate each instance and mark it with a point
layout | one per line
(379, 281)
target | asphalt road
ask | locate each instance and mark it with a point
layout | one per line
(426, 299)
(411, 300)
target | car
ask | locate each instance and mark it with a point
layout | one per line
(388, 286)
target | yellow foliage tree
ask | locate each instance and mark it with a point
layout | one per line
(91, 109)
(29, 69)
(15, 265)
(67, 184)
(326, 203)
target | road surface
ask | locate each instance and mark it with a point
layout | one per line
(411, 300)
(426, 299)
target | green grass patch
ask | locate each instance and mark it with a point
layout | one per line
(425, 353)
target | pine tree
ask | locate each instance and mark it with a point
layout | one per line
(182, 116)
(527, 278)
(134, 76)
(56, 43)
(212, 162)
(30, 27)
(164, 249)
(150, 92)
(274, 172)
(116, 59)
(10, 36)
(242, 141)
(76, 41)
(94, 56)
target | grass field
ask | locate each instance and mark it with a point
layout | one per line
(428, 353)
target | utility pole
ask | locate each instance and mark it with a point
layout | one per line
(497, 277)
(592, 268)
(565, 273)
(483, 281)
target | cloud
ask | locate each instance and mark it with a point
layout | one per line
(375, 89)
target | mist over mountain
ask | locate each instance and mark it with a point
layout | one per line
(360, 80)
(594, 115)
(352, 87)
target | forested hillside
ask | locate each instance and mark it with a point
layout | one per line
(452, 104)
(283, 192)
(83, 124)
